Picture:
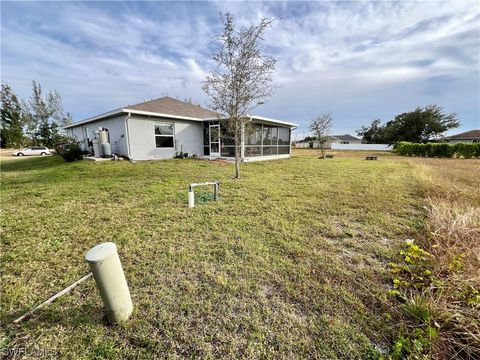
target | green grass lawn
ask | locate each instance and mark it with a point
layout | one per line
(290, 263)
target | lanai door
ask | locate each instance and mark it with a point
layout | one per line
(214, 140)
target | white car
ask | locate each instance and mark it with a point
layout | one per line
(34, 150)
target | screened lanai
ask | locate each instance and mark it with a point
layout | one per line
(263, 139)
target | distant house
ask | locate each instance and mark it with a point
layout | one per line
(161, 128)
(344, 139)
(472, 136)
(332, 139)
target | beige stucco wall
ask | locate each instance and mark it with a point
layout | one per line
(116, 130)
(188, 135)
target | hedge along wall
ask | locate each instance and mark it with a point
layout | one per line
(439, 149)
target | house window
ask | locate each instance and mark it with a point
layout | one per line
(164, 135)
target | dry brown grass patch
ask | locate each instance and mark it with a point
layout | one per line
(452, 227)
(455, 233)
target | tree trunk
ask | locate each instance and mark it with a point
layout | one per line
(237, 164)
(238, 149)
(238, 155)
(322, 151)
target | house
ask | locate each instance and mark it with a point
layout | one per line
(160, 128)
(331, 139)
(472, 136)
(343, 139)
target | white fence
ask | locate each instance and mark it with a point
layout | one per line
(367, 147)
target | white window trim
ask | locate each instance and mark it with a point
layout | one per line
(155, 135)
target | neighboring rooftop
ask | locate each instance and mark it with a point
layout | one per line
(468, 135)
(345, 137)
(171, 106)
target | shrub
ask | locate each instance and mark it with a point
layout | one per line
(403, 148)
(477, 149)
(442, 150)
(438, 149)
(72, 152)
(465, 150)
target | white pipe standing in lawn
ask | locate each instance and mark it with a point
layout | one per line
(191, 199)
(111, 282)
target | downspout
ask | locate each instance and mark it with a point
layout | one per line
(127, 136)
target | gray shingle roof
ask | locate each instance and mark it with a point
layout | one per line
(168, 105)
(345, 137)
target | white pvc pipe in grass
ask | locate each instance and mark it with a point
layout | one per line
(111, 282)
(191, 199)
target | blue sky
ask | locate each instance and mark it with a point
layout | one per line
(358, 60)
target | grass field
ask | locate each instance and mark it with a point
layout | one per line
(290, 263)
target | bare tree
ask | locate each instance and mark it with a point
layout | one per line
(320, 127)
(242, 79)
